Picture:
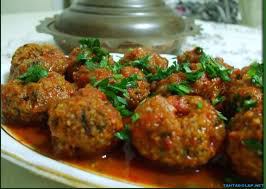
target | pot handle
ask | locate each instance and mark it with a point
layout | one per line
(43, 27)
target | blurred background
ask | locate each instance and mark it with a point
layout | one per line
(227, 11)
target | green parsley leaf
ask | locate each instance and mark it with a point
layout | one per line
(199, 105)
(254, 145)
(163, 73)
(124, 134)
(213, 68)
(142, 64)
(217, 100)
(180, 88)
(198, 50)
(221, 116)
(194, 76)
(256, 74)
(33, 74)
(135, 117)
(185, 67)
(249, 103)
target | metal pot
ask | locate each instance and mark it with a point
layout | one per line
(120, 24)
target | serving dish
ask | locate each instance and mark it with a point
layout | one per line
(123, 166)
(120, 25)
(19, 152)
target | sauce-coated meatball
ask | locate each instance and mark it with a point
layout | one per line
(141, 91)
(84, 124)
(83, 75)
(177, 131)
(245, 143)
(48, 56)
(27, 103)
(155, 62)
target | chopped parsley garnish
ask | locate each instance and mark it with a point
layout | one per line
(198, 50)
(199, 105)
(254, 145)
(117, 93)
(241, 103)
(185, 67)
(249, 103)
(217, 100)
(221, 116)
(135, 117)
(124, 134)
(256, 73)
(142, 64)
(33, 74)
(163, 73)
(180, 89)
(194, 76)
(92, 54)
(213, 68)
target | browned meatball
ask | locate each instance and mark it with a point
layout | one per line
(83, 75)
(178, 131)
(27, 103)
(240, 97)
(161, 87)
(141, 91)
(74, 65)
(84, 124)
(245, 75)
(191, 56)
(155, 62)
(245, 143)
(48, 56)
(205, 87)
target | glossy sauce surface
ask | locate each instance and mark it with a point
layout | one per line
(122, 163)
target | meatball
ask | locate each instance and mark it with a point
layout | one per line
(83, 75)
(141, 91)
(245, 140)
(177, 131)
(73, 65)
(238, 95)
(245, 74)
(48, 56)
(191, 56)
(154, 63)
(28, 103)
(205, 87)
(161, 87)
(83, 125)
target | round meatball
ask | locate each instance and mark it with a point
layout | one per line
(73, 65)
(244, 75)
(84, 125)
(141, 91)
(83, 75)
(205, 87)
(178, 131)
(154, 63)
(238, 94)
(161, 87)
(48, 56)
(191, 56)
(245, 140)
(28, 103)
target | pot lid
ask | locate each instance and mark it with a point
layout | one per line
(120, 19)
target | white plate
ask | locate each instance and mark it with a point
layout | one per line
(23, 156)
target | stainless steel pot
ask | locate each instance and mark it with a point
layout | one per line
(120, 24)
